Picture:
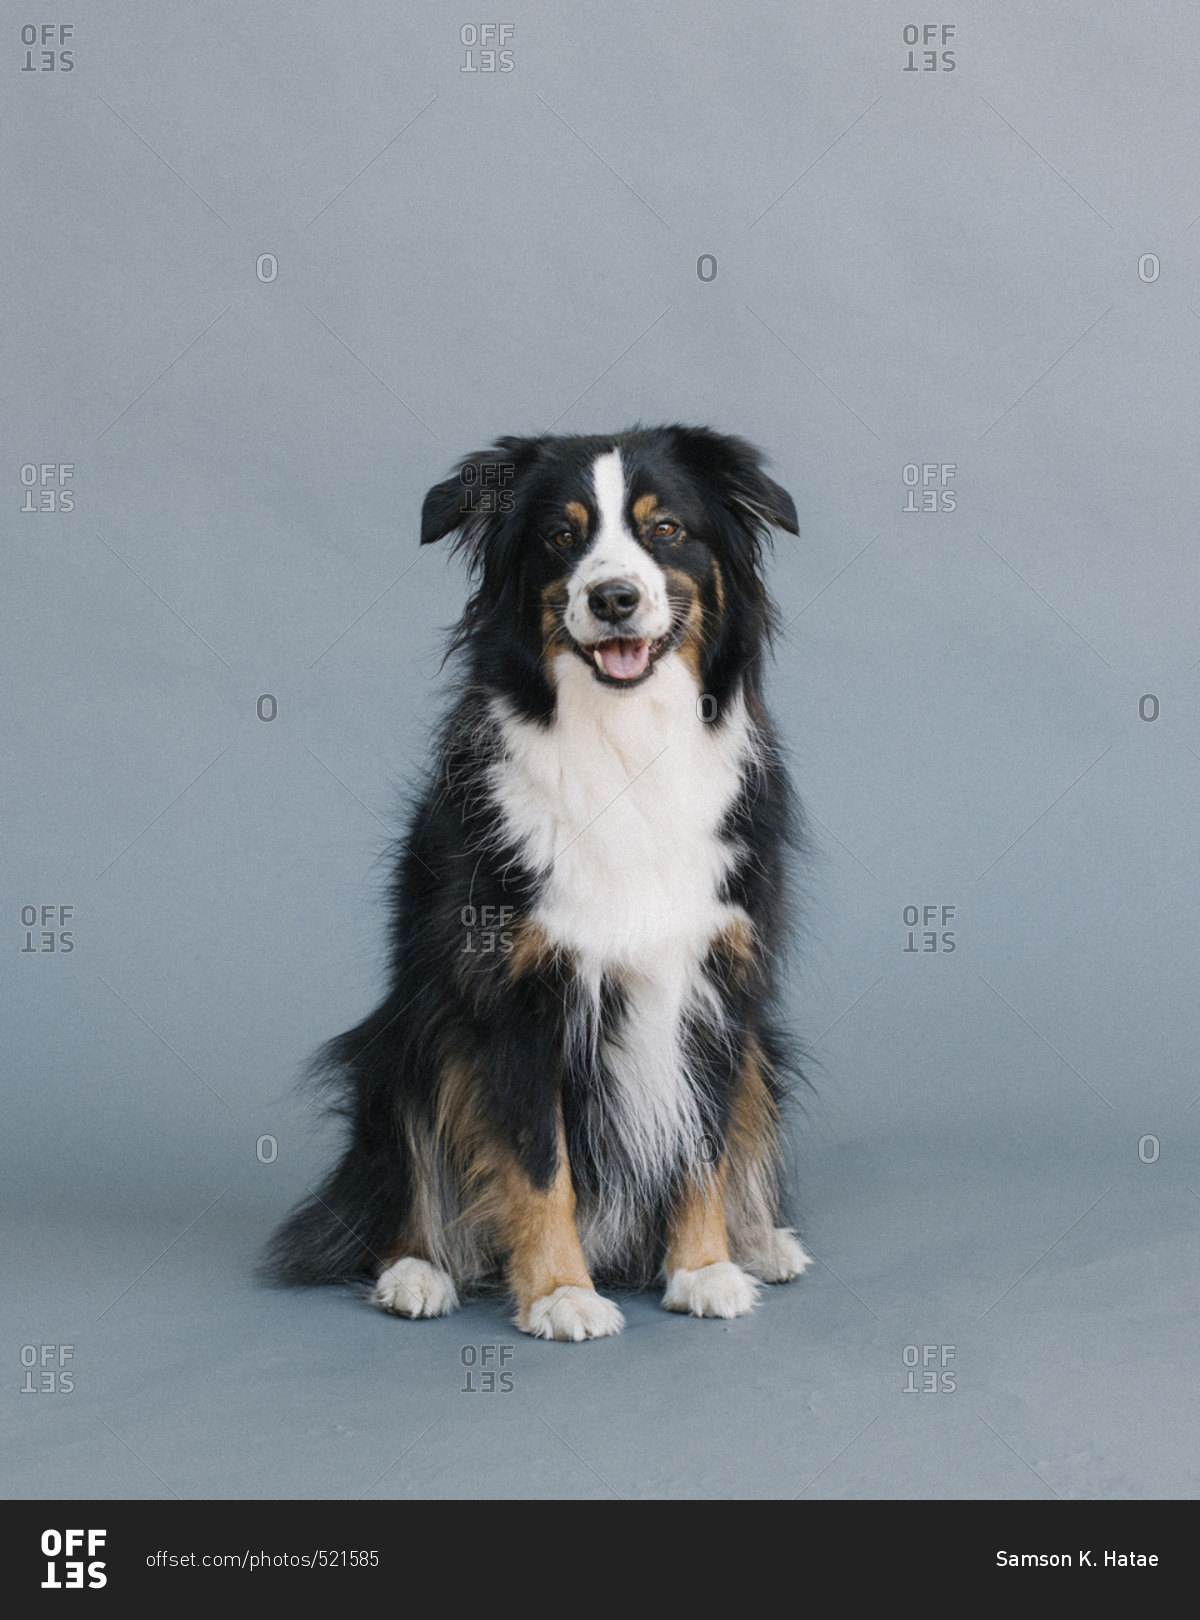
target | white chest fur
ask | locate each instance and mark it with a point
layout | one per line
(619, 805)
(619, 802)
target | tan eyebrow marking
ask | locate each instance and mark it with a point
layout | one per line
(644, 509)
(577, 515)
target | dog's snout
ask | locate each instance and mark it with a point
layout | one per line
(614, 600)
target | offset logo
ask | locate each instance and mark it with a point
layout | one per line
(484, 1369)
(929, 61)
(51, 37)
(59, 1548)
(928, 1370)
(46, 486)
(932, 495)
(54, 1376)
(486, 931)
(930, 938)
(58, 939)
(492, 54)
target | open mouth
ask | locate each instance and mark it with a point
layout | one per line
(625, 662)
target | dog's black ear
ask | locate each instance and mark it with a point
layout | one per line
(442, 510)
(735, 468)
(482, 486)
(769, 501)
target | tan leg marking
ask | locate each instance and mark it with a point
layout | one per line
(696, 1236)
(556, 1298)
(701, 1278)
(538, 1229)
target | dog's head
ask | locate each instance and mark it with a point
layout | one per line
(617, 551)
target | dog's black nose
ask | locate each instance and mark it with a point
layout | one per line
(614, 600)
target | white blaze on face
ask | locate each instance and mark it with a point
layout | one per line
(616, 555)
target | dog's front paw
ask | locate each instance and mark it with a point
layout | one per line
(571, 1313)
(415, 1288)
(780, 1258)
(722, 1289)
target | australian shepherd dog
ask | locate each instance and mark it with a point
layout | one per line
(576, 1073)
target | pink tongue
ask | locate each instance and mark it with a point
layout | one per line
(625, 660)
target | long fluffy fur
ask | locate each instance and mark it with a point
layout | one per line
(654, 1039)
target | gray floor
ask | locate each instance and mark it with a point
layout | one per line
(1076, 1378)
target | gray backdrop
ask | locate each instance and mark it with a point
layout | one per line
(273, 267)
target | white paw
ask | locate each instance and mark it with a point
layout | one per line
(779, 1259)
(572, 1313)
(415, 1288)
(722, 1289)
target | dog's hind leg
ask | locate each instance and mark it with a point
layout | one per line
(413, 1283)
(769, 1252)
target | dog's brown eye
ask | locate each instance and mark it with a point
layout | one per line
(563, 539)
(666, 530)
